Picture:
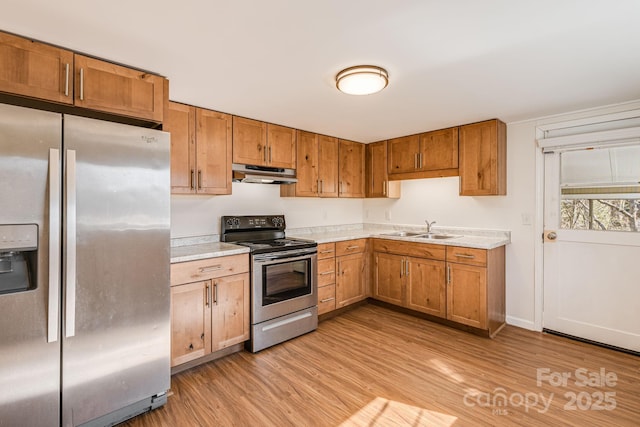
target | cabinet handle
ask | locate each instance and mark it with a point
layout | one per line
(406, 266)
(81, 84)
(199, 179)
(340, 188)
(350, 248)
(448, 274)
(193, 179)
(415, 161)
(420, 160)
(66, 79)
(465, 256)
(402, 268)
(330, 251)
(215, 293)
(269, 154)
(318, 186)
(384, 188)
(207, 295)
(210, 268)
(327, 272)
(265, 154)
(327, 299)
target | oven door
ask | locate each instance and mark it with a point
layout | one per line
(283, 283)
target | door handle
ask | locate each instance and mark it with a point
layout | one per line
(70, 245)
(54, 245)
(550, 236)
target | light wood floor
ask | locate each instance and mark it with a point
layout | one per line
(376, 367)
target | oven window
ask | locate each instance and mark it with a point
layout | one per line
(285, 280)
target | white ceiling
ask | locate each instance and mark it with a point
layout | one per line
(449, 62)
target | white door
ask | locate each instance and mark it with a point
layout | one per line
(592, 244)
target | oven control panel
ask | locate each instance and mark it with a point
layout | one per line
(253, 222)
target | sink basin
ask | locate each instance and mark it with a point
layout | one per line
(403, 234)
(433, 236)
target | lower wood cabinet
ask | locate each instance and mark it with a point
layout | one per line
(411, 282)
(476, 287)
(351, 272)
(463, 285)
(326, 277)
(212, 312)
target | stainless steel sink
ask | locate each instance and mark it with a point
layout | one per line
(434, 236)
(403, 234)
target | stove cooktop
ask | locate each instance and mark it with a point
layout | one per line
(275, 245)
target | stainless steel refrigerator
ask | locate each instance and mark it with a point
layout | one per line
(84, 269)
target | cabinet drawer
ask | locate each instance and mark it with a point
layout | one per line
(210, 268)
(468, 256)
(326, 299)
(420, 250)
(326, 271)
(348, 247)
(326, 250)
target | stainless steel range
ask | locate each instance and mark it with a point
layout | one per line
(284, 291)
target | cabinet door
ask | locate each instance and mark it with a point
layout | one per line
(351, 173)
(328, 166)
(377, 181)
(190, 321)
(388, 281)
(403, 154)
(439, 149)
(35, 69)
(467, 295)
(230, 311)
(281, 146)
(350, 279)
(112, 88)
(326, 299)
(426, 289)
(213, 145)
(179, 120)
(307, 164)
(483, 159)
(249, 142)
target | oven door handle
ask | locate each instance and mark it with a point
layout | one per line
(288, 256)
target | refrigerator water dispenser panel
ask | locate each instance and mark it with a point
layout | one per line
(18, 250)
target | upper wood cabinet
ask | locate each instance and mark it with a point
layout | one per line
(103, 86)
(351, 169)
(316, 167)
(263, 144)
(200, 149)
(377, 179)
(483, 159)
(35, 70)
(426, 155)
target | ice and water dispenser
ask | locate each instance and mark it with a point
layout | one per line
(18, 257)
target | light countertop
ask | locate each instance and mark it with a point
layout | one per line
(205, 250)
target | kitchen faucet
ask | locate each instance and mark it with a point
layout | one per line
(429, 225)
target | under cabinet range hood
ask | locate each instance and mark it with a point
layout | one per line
(262, 174)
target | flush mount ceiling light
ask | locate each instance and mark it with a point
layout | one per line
(362, 80)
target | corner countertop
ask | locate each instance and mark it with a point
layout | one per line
(205, 250)
(466, 237)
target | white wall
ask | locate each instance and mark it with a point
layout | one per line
(200, 215)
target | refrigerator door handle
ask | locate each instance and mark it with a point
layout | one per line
(70, 245)
(54, 245)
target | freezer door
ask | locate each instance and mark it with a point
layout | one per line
(116, 332)
(29, 198)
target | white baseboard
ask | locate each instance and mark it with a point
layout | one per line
(521, 323)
